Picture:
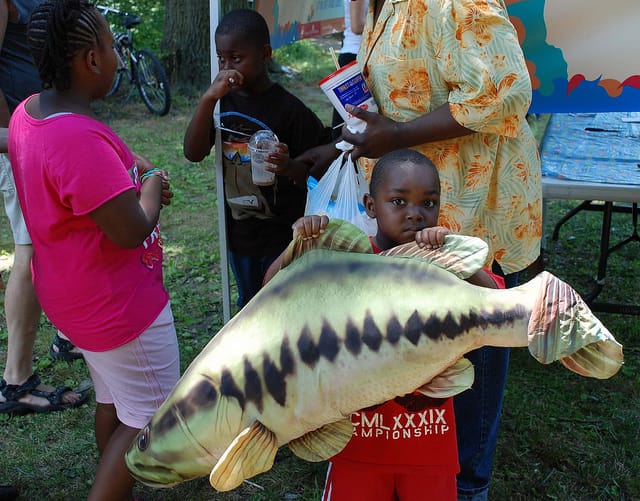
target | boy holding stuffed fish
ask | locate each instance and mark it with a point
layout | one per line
(404, 449)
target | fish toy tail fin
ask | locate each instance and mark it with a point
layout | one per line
(562, 327)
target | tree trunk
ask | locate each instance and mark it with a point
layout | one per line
(186, 42)
(186, 39)
(228, 5)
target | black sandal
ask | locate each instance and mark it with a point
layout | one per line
(8, 493)
(12, 394)
(64, 350)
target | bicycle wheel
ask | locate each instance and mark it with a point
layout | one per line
(116, 83)
(152, 82)
(122, 64)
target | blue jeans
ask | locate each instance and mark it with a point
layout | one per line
(249, 272)
(478, 413)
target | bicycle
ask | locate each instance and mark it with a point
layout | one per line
(141, 67)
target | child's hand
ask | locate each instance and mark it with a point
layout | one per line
(143, 163)
(309, 227)
(283, 165)
(279, 160)
(166, 194)
(225, 81)
(432, 238)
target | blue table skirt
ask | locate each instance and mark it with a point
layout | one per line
(593, 147)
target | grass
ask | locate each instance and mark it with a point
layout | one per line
(563, 437)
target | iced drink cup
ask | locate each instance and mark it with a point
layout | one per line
(261, 144)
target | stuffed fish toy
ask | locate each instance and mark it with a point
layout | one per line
(339, 329)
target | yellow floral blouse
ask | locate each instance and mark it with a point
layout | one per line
(423, 53)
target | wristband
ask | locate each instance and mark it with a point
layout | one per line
(151, 172)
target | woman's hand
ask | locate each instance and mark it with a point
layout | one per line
(319, 159)
(381, 135)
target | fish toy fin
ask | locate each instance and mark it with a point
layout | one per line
(323, 443)
(339, 235)
(562, 327)
(453, 380)
(251, 452)
(461, 255)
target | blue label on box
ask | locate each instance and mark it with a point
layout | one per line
(353, 91)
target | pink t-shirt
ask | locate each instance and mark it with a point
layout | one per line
(65, 166)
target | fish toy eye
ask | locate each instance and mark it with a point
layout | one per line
(143, 439)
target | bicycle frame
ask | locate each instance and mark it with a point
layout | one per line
(123, 42)
(143, 68)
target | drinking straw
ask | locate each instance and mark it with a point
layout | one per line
(335, 58)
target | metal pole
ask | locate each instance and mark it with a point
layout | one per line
(214, 15)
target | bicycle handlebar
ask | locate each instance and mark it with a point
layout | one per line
(105, 10)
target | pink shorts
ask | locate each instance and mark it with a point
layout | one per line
(137, 377)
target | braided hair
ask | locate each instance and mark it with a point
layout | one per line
(58, 29)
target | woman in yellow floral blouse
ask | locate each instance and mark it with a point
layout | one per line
(450, 80)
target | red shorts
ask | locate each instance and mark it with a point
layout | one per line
(349, 482)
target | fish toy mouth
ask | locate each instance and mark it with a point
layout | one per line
(153, 472)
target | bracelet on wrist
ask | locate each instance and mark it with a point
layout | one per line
(150, 173)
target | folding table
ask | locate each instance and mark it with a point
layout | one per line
(595, 157)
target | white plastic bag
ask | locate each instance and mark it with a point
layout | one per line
(320, 193)
(339, 194)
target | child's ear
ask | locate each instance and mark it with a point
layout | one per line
(92, 60)
(267, 52)
(369, 205)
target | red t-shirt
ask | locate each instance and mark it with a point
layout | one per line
(408, 432)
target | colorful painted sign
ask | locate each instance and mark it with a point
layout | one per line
(292, 20)
(582, 54)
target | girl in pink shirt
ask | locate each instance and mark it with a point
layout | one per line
(92, 208)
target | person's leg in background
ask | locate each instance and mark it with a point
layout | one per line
(21, 306)
(22, 309)
(249, 272)
(478, 411)
(63, 349)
